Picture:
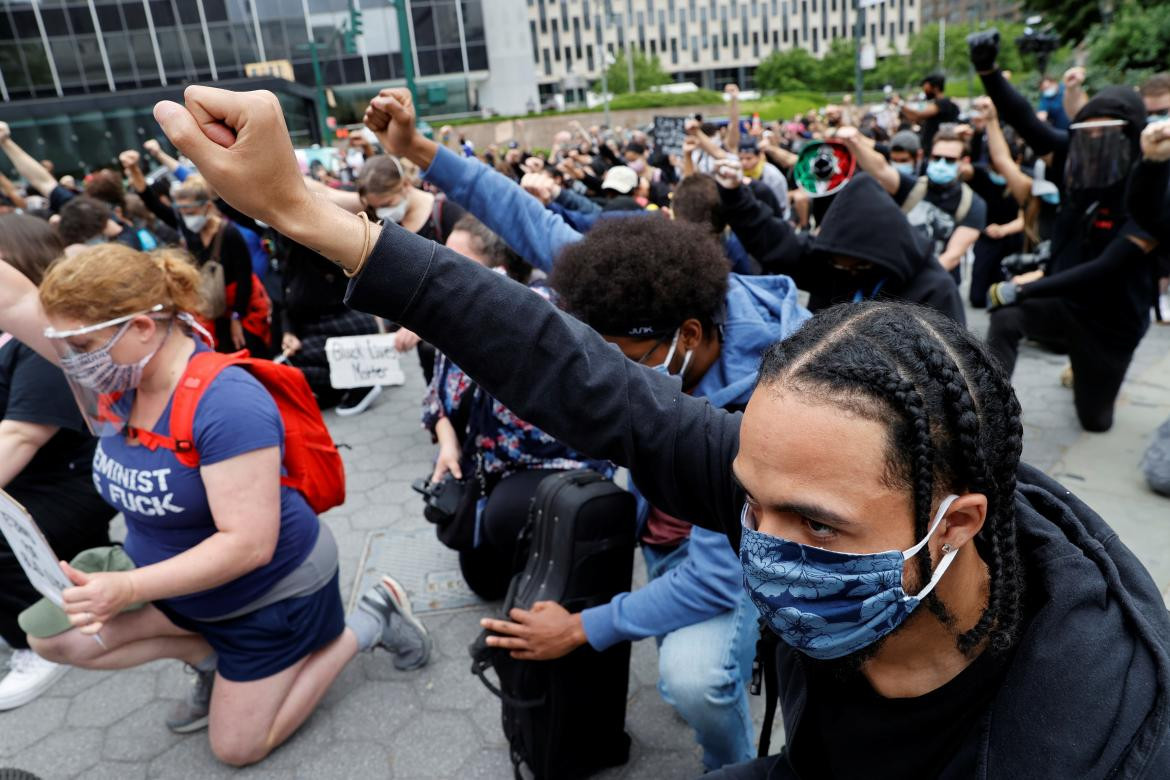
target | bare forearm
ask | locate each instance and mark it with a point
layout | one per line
(33, 172)
(21, 313)
(218, 559)
(16, 452)
(876, 166)
(1073, 101)
(445, 433)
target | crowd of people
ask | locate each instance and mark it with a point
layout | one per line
(817, 442)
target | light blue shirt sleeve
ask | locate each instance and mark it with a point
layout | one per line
(708, 583)
(533, 232)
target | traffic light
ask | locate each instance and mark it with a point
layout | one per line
(353, 30)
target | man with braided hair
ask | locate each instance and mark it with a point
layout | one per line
(875, 468)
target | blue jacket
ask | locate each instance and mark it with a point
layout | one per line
(759, 310)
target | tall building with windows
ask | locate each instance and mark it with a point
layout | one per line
(967, 11)
(709, 42)
(80, 74)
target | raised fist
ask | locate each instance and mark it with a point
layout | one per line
(5, 132)
(1074, 77)
(152, 147)
(128, 159)
(1156, 142)
(984, 48)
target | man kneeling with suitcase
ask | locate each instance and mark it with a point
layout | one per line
(662, 294)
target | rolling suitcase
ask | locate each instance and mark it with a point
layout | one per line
(566, 718)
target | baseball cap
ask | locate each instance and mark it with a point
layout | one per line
(620, 178)
(906, 141)
(45, 619)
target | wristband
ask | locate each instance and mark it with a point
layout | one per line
(357, 269)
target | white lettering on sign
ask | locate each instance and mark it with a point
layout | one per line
(363, 361)
(32, 550)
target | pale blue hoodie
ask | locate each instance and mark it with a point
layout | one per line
(759, 310)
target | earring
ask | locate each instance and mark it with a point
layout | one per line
(946, 548)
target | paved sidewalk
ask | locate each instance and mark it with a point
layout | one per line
(440, 722)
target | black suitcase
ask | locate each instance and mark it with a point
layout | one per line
(566, 718)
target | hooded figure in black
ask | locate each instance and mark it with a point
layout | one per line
(1095, 298)
(865, 250)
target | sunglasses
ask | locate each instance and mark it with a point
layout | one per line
(942, 158)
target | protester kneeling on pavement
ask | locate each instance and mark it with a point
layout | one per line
(235, 574)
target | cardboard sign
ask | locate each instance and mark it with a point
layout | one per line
(32, 550)
(669, 132)
(363, 361)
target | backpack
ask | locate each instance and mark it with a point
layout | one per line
(918, 193)
(312, 464)
(565, 719)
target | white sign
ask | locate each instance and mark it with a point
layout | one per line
(868, 56)
(32, 551)
(363, 361)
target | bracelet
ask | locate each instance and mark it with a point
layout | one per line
(361, 263)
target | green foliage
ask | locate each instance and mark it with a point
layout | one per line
(784, 106)
(703, 97)
(785, 71)
(1134, 45)
(1078, 20)
(648, 72)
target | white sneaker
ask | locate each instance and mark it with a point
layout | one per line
(29, 676)
(1162, 316)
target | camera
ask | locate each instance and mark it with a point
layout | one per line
(442, 498)
(1023, 262)
(1039, 39)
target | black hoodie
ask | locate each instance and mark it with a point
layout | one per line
(864, 223)
(1085, 692)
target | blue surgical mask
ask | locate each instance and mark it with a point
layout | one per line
(664, 366)
(996, 179)
(829, 604)
(1051, 198)
(942, 172)
(904, 167)
(1161, 116)
(1050, 92)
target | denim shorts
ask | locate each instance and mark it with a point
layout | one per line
(273, 638)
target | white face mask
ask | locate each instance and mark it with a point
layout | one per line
(195, 222)
(392, 213)
(664, 366)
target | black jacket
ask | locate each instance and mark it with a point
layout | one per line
(1086, 692)
(863, 222)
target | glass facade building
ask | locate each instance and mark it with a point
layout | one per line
(128, 53)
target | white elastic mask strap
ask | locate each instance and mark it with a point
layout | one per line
(673, 347)
(194, 325)
(945, 563)
(686, 362)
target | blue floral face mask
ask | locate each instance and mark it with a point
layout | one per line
(829, 604)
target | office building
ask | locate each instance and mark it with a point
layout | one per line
(708, 42)
(78, 77)
(971, 11)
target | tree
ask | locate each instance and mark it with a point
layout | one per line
(1136, 43)
(1075, 20)
(789, 71)
(648, 72)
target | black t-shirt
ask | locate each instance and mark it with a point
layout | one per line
(935, 216)
(33, 390)
(1001, 206)
(850, 731)
(947, 112)
(444, 215)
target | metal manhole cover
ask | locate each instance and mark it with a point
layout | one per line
(428, 570)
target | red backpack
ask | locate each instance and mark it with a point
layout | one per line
(312, 463)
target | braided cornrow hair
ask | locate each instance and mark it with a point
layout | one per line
(953, 421)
